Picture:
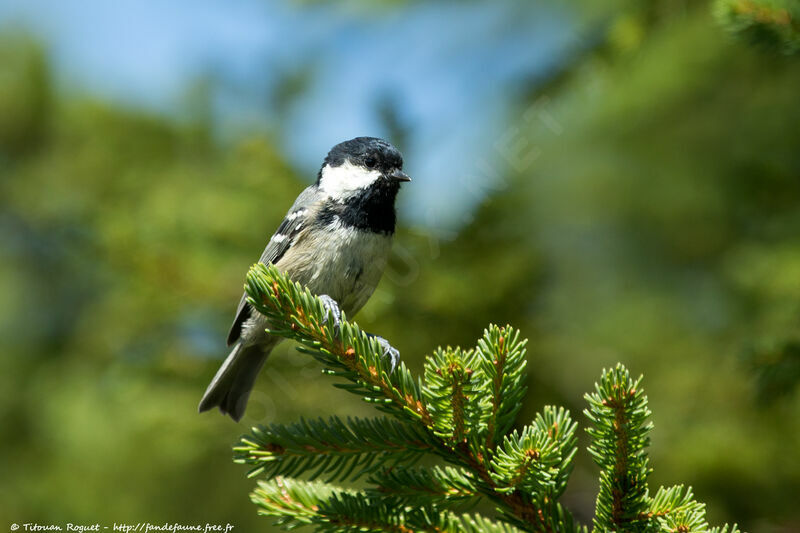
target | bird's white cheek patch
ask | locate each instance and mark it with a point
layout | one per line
(346, 178)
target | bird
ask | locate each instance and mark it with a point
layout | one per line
(335, 239)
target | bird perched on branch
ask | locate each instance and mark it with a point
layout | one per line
(335, 239)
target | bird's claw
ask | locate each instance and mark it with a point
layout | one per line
(388, 351)
(333, 311)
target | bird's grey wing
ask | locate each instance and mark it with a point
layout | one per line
(291, 226)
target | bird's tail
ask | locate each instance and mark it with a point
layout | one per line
(230, 388)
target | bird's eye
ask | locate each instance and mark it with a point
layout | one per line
(371, 162)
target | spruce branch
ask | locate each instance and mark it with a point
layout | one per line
(552, 516)
(461, 412)
(333, 509)
(448, 389)
(501, 358)
(294, 503)
(539, 459)
(295, 313)
(340, 449)
(618, 411)
(446, 487)
(674, 509)
(561, 429)
(725, 529)
(620, 435)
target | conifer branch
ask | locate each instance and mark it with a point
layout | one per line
(674, 509)
(618, 410)
(445, 487)
(502, 362)
(551, 516)
(340, 449)
(447, 391)
(461, 412)
(539, 459)
(294, 503)
(294, 312)
(334, 509)
(725, 529)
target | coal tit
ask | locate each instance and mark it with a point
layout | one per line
(335, 239)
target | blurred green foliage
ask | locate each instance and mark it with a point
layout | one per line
(650, 215)
(125, 242)
(769, 23)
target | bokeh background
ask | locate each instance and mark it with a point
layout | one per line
(620, 180)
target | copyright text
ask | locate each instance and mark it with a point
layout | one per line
(138, 527)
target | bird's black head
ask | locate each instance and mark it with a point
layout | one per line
(370, 152)
(362, 177)
(361, 162)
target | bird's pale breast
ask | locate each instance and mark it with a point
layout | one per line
(343, 262)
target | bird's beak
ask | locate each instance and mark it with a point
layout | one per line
(399, 175)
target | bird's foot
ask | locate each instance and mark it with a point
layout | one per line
(332, 311)
(388, 351)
